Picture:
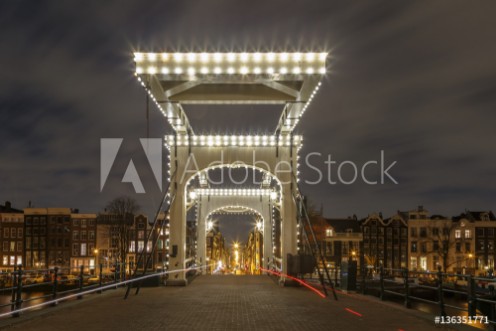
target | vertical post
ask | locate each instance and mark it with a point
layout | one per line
(115, 274)
(54, 285)
(81, 270)
(471, 296)
(100, 277)
(440, 292)
(14, 291)
(381, 281)
(407, 288)
(18, 303)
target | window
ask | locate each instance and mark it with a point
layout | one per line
(435, 245)
(12, 246)
(19, 246)
(75, 235)
(446, 231)
(91, 235)
(19, 233)
(458, 247)
(490, 245)
(19, 259)
(91, 222)
(83, 223)
(413, 232)
(468, 233)
(141, 234)
(141, 245)
(480, 232)
(490, 232)
(28, 232)
(467, 247)
(329, 233)
(458, 233)
(480, 245)
(141, 225)
(83, 235)
(75, 249)
(413, 247)
(485, 217)
(435, 231)
(6, 232)
(435, 262)
(75, 222)
(132, 246)
(83, 250)
(5, 246)
(13, 232)
(413, 262)
(423, 247)
(5, 260)
(423, 232)
(12, 260)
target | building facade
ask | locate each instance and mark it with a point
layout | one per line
(11, 236)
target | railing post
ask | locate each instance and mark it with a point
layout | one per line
(471, 296)
(407, 288)
(100, 278)
(116, 274)
(381, 281)
(54, 285)
(81, 270)
(18, 302)
(440, 292)
(14, 291)
(363, 278)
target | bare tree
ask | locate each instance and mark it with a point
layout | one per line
(442, 242)
(121, 213)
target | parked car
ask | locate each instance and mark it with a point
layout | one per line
(93, 280)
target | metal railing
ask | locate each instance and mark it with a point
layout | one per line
(54, 285)
(476, 295)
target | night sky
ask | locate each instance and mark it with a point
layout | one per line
(415, 79)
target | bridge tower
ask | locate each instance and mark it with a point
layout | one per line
(174, 80)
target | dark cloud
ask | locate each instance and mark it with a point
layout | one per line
(413, 79)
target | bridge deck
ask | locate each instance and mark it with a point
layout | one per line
(226, 303)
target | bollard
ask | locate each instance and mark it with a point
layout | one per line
(471, 296)
(81, 270)
(440, 292)
(100, 278)
(18, 302)
(407, 288)
(381, 281)
(14, 287)
(54, 285)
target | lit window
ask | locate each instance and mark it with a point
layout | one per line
(458, 234)
(329, 233)
(83, 249)
(468, 234)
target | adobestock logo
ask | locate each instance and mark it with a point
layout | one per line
(152, 147)
(326, 170)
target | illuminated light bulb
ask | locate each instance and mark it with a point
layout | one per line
(191, 71)
(164, 56)
(152, 56)
(191, 57)
(284, 57)
(310, 71)
(322, 56)
(296, 57)
(270, 70)
(322, 70)
(204, 70)
(178, 71)
(257, 70)
(152, 70)
(283, 70)
(231, 57)
(296, 70)
(271, 57)
(204, 57)
(310, 57)
(217, 70)
(217, 57)
(243, 57)
(243, 70)
(230, 70)
(178, 57)
(165, 70)
(138, 57)
(257, 57)
(139, 70)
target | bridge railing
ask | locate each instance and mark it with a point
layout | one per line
(476, 296)
(20, 288)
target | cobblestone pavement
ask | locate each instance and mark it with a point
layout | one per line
(226, 303)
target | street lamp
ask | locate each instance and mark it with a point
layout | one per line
(95, 252)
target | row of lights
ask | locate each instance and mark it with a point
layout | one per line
(292, 124)
(230, 57)
(233, 192)
(233, 140)
(230, 70)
